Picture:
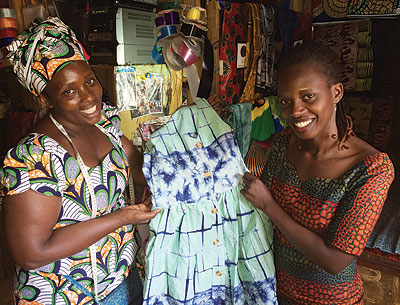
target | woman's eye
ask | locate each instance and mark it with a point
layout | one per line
(90, 81)
(69, 92)
(284, 102)
(308, 96)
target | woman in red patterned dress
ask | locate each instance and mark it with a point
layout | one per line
(322, 186)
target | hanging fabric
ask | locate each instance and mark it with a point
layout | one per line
(267, 61)
(343, 40)
(329, 10)
(372, 7)
(253, 48)
(365, 57)
(234, 28)
(213, 11)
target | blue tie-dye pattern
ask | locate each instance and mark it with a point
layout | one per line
(168, 172)
(189, 181)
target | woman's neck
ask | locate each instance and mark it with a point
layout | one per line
(317, 147)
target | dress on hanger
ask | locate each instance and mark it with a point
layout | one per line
(208, 245)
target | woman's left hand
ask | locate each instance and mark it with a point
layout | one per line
(256, 192)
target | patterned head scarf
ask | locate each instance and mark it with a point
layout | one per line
(42, 50)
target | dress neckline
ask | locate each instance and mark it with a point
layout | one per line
(284, 150)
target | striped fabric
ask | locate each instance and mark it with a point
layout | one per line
(256, 158)
(208, 245)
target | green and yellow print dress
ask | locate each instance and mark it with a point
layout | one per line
(41, 164)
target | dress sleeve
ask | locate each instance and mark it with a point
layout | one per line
(362, 204)
(30, 166)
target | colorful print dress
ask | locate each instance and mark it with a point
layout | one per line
(343, 211)
(208, 245)
(41, 164)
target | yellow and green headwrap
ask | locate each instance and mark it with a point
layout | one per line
(42, 50)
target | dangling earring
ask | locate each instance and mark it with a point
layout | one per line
(334, 136)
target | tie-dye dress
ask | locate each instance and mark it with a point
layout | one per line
(41, 164)
(208, 245)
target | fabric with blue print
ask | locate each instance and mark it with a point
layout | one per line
(208, 245)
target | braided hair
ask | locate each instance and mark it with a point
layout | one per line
(326, 62)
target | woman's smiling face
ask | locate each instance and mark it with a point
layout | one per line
(307, 101)
(74, 95)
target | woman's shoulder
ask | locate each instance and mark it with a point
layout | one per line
(33, 144)
(370, 159)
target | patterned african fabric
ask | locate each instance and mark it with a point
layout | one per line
(343, 211)
(329, 10)
(267, 61)
(240, 121)
(42, 50)
(372, 7)
(253, 49)
(39, 163)
(343, 40)
(208, 245)
(262, 121)
(365, 57)
(256, 158)
(234, 29)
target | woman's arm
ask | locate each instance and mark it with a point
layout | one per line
(310, 244)
(29, 219)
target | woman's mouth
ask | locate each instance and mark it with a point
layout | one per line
(90, 110)
(303, 124)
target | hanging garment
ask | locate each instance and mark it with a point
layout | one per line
(213, 11)
(262, 121)
(208, 245)
(233, 31)
(365, 57)
(253, 48)
(240, 120)
(329, 10)
(267, 62)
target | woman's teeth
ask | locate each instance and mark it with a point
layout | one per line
(90, 110)
(302, 124)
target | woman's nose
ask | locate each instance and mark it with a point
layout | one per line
(297, 108)
(87, 95)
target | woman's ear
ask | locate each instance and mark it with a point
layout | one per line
(338, 92)
(44, 101)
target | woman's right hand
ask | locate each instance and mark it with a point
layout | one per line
(138, 213)
(257, 193)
